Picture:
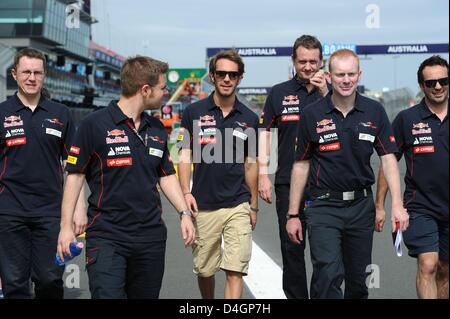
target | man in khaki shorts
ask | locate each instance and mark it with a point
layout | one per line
(219, 136)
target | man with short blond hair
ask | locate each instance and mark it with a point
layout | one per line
(336, 139)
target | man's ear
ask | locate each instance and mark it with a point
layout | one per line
(211, 76)
(14, 74)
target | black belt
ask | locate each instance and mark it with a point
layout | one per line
(349, 195)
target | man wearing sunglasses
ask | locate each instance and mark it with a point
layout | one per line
(282, 111)
(224, 196)
(421, 133)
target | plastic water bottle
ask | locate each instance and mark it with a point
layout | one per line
(75, 250)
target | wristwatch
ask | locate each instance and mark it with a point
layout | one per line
(289, 216)
(185, 212)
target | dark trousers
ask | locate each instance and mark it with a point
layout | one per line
(340, 236)
(27, 250)
(295, 285)
(124, 270)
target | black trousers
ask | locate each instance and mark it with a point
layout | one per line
(27, 250)
(124, 270)
(295, 285)
(340, 237)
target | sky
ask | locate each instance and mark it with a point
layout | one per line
(178, 32)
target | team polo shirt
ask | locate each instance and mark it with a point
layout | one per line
(282, 111)
(339, 149)
(122, 171)
(32, 148)
(219, 147)
(423, 139)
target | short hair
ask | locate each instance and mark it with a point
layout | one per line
(29, 53)
(308, 42)
(342, 53)
(139, 71)
(231, 55)
(431, 61)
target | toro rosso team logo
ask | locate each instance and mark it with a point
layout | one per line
(325, 125)
(157, 139)
(421, 128)
(54, 121)
(116, 136)
(369, 124)
(291, 100)
(12, 121)
(242, 124)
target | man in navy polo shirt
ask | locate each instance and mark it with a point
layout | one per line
(34, 135)
(336, 139)
(122, 152)
(282, 111)
(219, 135)
(421, 133)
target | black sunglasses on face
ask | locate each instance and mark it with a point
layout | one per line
(431, 84)
(233, 75)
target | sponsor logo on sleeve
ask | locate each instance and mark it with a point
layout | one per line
(75, 150)
(330, 147)
(72, 160)
(392, 139)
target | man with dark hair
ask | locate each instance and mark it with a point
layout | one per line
(421, 133)
(336, 138)
(122, 152)
(224, 194)
(34, 136)
(282, 111)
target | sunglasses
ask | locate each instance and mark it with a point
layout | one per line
(432, 83)
(233, 75)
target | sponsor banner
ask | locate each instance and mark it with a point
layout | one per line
(424, 149)
(16, 141)
(117, 162)
(330, 147)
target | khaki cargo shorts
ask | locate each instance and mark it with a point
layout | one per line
(231, 224)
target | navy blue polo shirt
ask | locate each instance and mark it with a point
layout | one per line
(219, 177)
(32, 148)
(122, 171)
(340, 148)
(282, 111)
(423, 138)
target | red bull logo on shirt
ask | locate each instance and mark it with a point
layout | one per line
(12, 121)
(116, 136)
(325, 125)
(421, 128)
(291, 100)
